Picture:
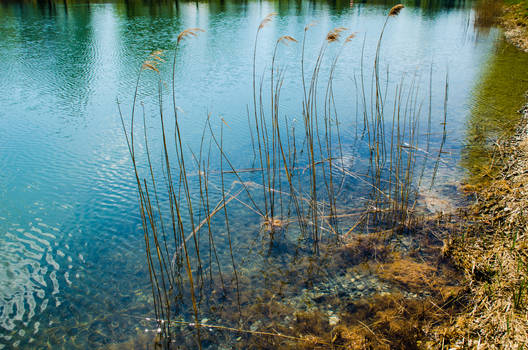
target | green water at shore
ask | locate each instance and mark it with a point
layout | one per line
(497, 97)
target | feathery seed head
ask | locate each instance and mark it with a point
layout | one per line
(154, 59)
(350, 37)
(267, 19)
(150, 65)
(156, 55)
(285, 39)
(334, 34)
(189, 32)
(396, 10)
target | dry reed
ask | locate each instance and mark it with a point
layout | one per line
(301, 174)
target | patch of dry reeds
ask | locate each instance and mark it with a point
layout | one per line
(492, 253)
(294, 186)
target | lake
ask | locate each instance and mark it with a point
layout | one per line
(73, 268)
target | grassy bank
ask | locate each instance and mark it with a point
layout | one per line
(491, 249)
(515, 22)
(492, 253)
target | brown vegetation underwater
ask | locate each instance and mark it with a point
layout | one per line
(487, 308)
(432, 305)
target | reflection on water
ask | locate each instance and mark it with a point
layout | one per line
(72, 264)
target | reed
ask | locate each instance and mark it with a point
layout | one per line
(165, 273)
(295, 182)
(397, 160)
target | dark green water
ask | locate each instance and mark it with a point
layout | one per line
(72, 270)
(498, 96)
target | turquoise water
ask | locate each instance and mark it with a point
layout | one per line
(72, 260)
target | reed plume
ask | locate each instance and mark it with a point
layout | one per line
(395, 11)
(189, 32)
(286, 39)
(150, 65)
(334, 34)
(267, 19)
(350, 37)
(153, 61)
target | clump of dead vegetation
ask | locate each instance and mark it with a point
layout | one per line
(487, 12)
(420, 277)
(493, 253)
(427, 296)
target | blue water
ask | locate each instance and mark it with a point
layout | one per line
(72, 270)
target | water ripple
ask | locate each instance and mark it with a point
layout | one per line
(70, 232)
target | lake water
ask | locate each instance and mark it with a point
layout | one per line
(72, 262)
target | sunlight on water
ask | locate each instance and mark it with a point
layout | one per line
(72, 270)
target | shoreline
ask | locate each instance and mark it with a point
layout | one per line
(514, 20)
(491, 248)
(490, 251)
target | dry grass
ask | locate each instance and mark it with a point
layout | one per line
(418, 277)
(493, 255)
(515, 22)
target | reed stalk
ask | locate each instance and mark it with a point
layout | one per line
(296, 180)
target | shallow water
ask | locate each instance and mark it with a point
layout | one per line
(497, 98)
(73, 273)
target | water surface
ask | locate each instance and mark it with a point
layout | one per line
(72, 261)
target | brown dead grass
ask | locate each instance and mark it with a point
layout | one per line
(494, 256)
(419, 277)
(515, 23)
(360, 248)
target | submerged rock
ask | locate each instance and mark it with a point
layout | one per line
(436, 202)
(333, 320)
